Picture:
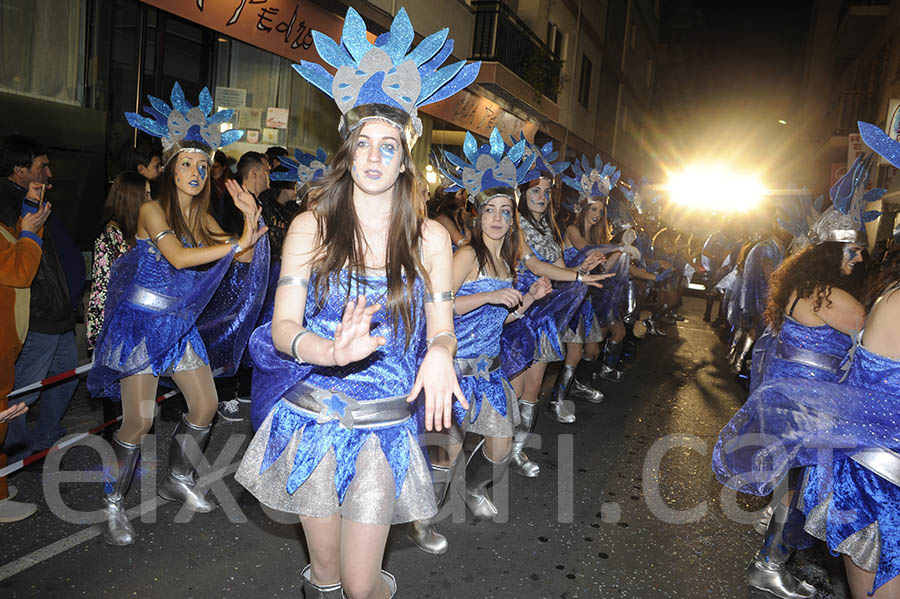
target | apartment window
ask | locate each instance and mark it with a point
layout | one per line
(554, 39)
(584, 82)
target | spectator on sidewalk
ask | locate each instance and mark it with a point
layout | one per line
(20, 256)
(49, 346)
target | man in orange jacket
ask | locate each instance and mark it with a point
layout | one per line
(20, 256)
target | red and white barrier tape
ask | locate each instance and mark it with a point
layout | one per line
(69, 441)
(50, 380)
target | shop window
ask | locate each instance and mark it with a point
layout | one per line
(43, 49)
(273, 104)
(584, 82)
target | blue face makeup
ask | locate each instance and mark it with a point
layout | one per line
(851, 253)
(387, 153)
(507, 215)
(201, 170)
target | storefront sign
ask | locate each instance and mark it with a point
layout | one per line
(283, 27)
(230, 97)
(480, 115)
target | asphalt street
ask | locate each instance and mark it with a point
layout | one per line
(626, 506)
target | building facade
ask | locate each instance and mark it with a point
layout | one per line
(578, 72)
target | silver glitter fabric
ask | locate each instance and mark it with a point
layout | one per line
(189, 360)
(863, 546)
(544, 352)
(370, 499)
(577, 336)
(489, 422)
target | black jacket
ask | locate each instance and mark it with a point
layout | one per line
(51, 307)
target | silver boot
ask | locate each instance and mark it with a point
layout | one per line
(316, 591)
(765, 516)
(188, 443)
(653, 328)
(611, 354)
(734, 349)
(480, 474)
(426, 537)
(117, 530)
(558, 408)
(518, 461)
(738, 365)
(767, 570)
(582, 391)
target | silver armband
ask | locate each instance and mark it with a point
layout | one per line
(162, 234)
(294, 341)
(296, 280)
(436, 298)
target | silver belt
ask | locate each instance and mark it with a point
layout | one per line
(153, 300)
(883, 462)
(328, 405)
(807, 357)
(481, 366)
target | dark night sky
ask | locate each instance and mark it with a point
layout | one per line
(733, 69)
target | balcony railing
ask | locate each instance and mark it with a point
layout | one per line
(502, 37)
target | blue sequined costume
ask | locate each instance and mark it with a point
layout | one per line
(313, 464)
(159, 319)
(852, 509)
(584, 327)
(790, 423)
(492, 402)
(766, 255)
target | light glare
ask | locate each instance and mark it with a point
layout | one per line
(715, 187)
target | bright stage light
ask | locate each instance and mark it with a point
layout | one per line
(715, 187)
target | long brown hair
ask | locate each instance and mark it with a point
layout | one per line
(341, 243)
(812, 272)
(510, 251)
(549, 216)
(595, 234)
(123, 203)
(196, 231)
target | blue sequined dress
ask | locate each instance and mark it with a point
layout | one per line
(819, 422)
(316, 463)
(853, 509)
(151, 318)
(755, 287)
(539, 331)
(584, 327)
(492, 402)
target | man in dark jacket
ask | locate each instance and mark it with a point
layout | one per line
(49, 347)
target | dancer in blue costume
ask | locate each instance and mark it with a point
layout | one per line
(156, 297)
(543, 257)
(811, 314)
(761, 262)
(800, 410)
(484, 274)
(366, 281)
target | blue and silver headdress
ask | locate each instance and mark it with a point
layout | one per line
(641, 195)
(185, 127)
(592, 183)
(304, 168)
(845, 221)
(489, 170)
(544, 165)
(799, 215)
(382, 81)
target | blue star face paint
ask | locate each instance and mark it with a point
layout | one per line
(201, 170)
(387, 153)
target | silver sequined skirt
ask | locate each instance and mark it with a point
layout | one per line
(863, 546)
(578, 336)
(489, 422)
(544, 352)
(370, 499)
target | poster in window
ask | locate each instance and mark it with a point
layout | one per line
(277, 118)
(270, 136)
(252, 136)
(230, 97)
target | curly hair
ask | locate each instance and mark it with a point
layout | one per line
(813, 271)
